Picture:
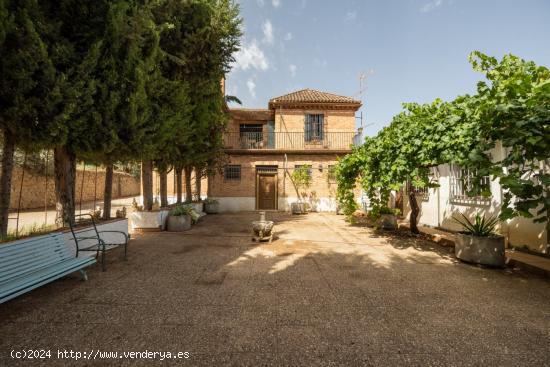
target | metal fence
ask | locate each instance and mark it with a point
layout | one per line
(288, 140)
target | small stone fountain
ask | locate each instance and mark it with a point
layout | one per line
(262, 229)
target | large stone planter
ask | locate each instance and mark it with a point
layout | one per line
(298, 208)
(480, 250)
(211, 208)
(148, 221)
(178, 223)
(388, 221)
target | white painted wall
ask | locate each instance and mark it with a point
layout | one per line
(322, 204)
(238, 204)
(439, 209)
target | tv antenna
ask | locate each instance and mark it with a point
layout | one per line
(362, 87)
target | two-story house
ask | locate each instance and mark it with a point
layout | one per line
(264, 147)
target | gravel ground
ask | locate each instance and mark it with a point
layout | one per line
(323, 293)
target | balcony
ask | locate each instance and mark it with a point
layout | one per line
(287, 141)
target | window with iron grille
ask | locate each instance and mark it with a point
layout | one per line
(463, 187)
(331, 173)
(308, 166)
(419, 192)
(232, 172)
(314, 127)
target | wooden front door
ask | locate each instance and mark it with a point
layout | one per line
(267, 192)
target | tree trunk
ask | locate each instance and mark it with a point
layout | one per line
(65, 177)
(163, 182)
(147, 184)
(178, 172)
(415, 210)
(108, 192)
(188, 192)
(198, 182)
(209, 178)
(5, 181)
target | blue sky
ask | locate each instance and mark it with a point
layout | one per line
(409, 50)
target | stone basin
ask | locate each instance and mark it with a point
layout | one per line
(262, 228)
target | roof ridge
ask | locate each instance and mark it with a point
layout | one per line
(309, 95)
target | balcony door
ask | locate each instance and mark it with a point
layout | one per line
(251, 136)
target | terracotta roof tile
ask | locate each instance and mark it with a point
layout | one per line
(312, 96)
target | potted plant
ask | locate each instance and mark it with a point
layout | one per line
(179, 218)
(301, 178)
(211, 206)
(478, 242)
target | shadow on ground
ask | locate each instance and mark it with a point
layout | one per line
(323, 293)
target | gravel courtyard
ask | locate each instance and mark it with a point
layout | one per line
(323, 293)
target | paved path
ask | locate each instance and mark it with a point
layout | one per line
(324, 293)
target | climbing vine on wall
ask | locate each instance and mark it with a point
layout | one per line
(512, 108)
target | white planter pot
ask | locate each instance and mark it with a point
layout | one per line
(142, 220)
(480, 250)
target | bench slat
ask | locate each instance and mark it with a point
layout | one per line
(41, 277)
(50, 241)
(31, 263)
(49, 250)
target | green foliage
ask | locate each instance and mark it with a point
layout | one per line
(512, 108)
(479, 227)
(29, 86)
(211, 201)
(301, 177)
(182, 210)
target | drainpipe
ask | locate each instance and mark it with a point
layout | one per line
(438, 198)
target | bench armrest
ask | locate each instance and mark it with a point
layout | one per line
(126, 237)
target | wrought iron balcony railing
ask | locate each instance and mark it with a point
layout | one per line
(288, 141)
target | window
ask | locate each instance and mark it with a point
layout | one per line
(314, 128)
(307, 166)
(419, 192)
(232, 172)
(464, 189)
(331, 173)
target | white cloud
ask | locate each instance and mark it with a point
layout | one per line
(288, 36)
(267, 28)
(251, 56)
(428, 7)
(251, 87)
(260, 2)
(276, 3)
(292, 68)
(351, 16)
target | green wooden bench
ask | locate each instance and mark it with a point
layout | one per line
(88, 239)
(32, 262)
